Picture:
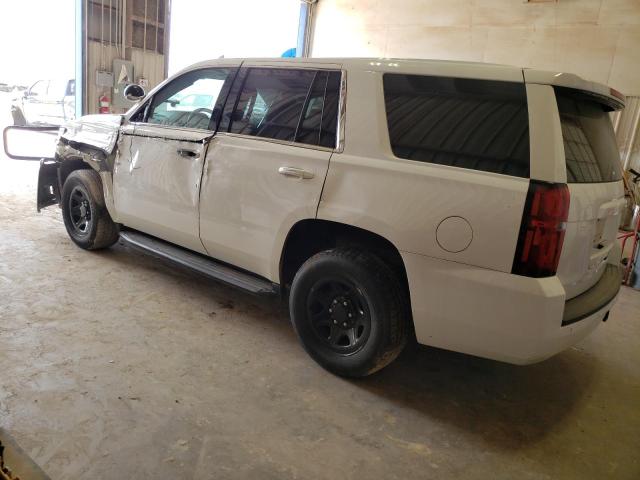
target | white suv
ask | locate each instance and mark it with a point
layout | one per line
(475, 205)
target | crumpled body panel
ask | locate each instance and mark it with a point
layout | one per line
(98, 131)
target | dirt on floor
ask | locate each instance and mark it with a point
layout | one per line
(116, 365)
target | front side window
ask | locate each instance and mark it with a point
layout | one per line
(188, 101)
(71, 88)
(467, 123)
(58, 89)
(39, 88)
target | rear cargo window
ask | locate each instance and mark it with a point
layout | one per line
(590, 147)
(467, 123)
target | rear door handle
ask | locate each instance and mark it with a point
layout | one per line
(184, 152)
(295, 172)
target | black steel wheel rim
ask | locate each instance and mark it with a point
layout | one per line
(80, 211)
(339, 315)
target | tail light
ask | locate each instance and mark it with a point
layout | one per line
(544, 222)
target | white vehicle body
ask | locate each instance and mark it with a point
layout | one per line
(237, 198)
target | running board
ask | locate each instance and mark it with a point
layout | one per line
(201, 264)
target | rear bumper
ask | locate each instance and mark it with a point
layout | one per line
(596, 298)
(497, 315)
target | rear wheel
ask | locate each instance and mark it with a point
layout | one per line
(349, 312)
(85, 215)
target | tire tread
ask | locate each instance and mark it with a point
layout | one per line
(107, 231)
(394, 299)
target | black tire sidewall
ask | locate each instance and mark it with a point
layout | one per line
(83, 241)
(361, 362)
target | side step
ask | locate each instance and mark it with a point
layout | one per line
(201, 264)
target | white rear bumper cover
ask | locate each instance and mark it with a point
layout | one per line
(491, 314)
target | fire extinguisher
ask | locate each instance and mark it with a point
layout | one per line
(105, 104)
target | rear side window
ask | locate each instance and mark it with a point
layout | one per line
(320, 118)
(271, 103)
(467, 123)
(590, 147)
(289, 105)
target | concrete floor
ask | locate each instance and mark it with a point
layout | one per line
(115, 365)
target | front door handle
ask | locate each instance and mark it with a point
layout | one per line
(295, 172)
(184, 152)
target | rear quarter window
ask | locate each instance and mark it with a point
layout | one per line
(467, 123)
(590, 148)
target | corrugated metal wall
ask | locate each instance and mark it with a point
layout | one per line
(149, 65)
(131, 30)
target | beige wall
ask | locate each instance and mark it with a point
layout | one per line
(597, 39)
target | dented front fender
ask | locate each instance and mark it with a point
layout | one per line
(97, 131)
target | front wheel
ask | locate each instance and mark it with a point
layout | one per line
(348, 309)
(85, 215)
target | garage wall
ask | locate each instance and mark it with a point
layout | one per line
(148, 64)
(597, 39)
(132, 30)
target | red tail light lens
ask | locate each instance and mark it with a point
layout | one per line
(544, 222)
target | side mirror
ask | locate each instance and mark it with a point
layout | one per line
(134, 92)
(30, 143)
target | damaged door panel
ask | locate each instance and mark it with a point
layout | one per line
(157, 182)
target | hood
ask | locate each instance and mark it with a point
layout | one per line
(97, 131)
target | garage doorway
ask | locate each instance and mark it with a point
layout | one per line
(206, 29)
(37, 75)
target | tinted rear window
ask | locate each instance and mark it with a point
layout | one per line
(590, 147)
(271, 103)
(286, 104)
(467, 123)
(319, 120)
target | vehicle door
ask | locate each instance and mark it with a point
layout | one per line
(33, 101)
(161, 153)
(266, 166)
(52, 106)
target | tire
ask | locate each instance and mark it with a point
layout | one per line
(85, 215)
(375, 333)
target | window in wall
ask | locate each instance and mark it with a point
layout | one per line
(467, 123)
(189, 100)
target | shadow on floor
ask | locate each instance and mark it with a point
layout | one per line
(506, 405)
